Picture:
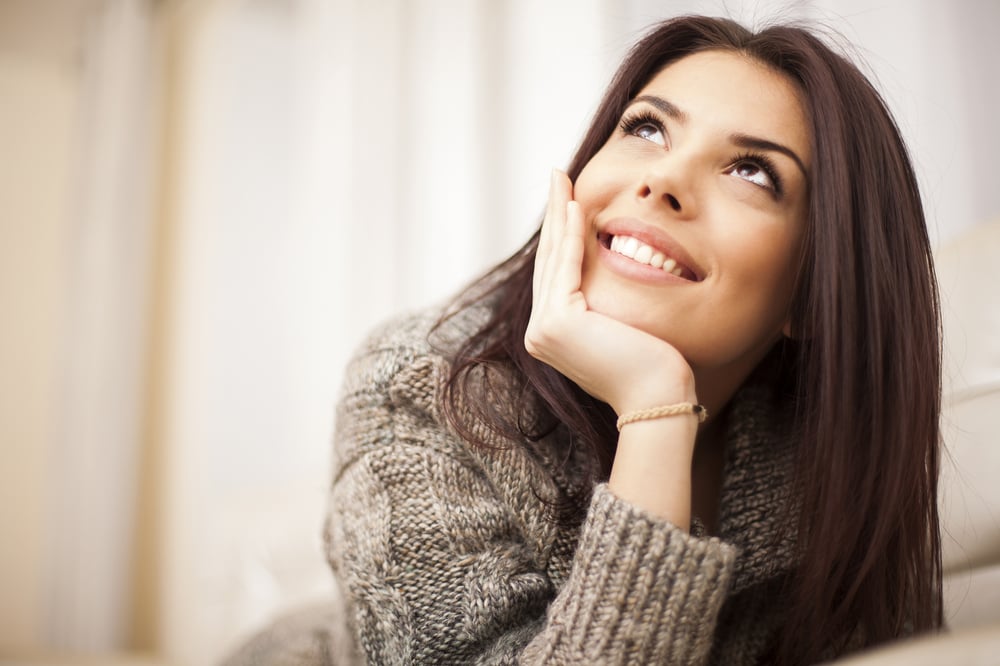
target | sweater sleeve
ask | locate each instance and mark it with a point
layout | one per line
(641, 591)
(437, 569)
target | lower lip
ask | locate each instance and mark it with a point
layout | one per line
(633, 270)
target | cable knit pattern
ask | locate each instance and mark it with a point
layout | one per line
(446, 555)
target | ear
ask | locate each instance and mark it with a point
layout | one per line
(786, 329)
(798, 334)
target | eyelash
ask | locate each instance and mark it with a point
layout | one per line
(765, 164)
(633, 121)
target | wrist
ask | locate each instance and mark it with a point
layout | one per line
(662, 412)
(657, 393)
(652, 467)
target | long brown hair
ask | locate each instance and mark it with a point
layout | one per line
(865, 372)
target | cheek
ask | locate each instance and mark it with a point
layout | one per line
(763, 262)
(757, 246)
(584, 190)
(763, 278)
(757, 264)
(597, 183)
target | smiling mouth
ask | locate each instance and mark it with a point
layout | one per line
(641, 253)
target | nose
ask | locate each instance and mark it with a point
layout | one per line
(668, 183)
(646, 192)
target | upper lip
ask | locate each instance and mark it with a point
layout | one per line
(655, 237)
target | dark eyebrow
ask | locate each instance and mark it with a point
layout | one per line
(741, 140)
(747, 141)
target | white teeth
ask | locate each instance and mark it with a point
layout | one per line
(645, 254)
(629, 247)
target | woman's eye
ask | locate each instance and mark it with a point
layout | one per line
(645, 125)
(753, 173)
(650, 132)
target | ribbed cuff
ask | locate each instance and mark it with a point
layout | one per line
(641, 589)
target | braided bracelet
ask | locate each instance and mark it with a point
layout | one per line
(660, 412)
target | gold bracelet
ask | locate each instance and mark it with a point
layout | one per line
(660, 412)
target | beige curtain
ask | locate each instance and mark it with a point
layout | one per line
(95, 451)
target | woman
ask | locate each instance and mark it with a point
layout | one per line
(531, 476)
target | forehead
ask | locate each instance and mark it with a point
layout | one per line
(732, 93)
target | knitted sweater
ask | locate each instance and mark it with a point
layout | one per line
(445, 552)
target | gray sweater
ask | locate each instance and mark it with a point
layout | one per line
(445, 552)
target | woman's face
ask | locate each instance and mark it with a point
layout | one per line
(696, 205)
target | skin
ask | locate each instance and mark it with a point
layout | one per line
(680, 180)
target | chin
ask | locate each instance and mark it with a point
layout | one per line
(635, 311)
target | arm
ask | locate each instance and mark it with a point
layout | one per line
(441, 566)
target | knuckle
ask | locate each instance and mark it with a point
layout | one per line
(536, 338)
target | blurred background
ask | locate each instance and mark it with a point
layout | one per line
(204, 204)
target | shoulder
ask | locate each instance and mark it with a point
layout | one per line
(393, 384)
(389, 349)
(406, 358)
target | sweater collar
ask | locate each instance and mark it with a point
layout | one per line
(756, 512)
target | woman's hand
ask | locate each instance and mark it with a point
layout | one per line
(612, 361)
(627, 368)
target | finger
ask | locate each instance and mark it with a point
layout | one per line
(544, 246)
(552, 229)
(568, 267)
(554, 214)
(545, 238)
